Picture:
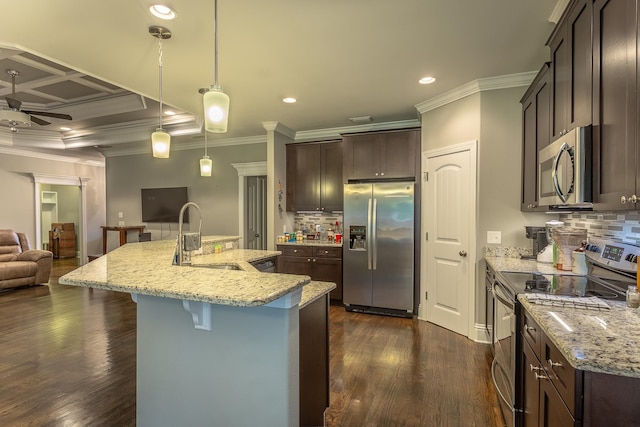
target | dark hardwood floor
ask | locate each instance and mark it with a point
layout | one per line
(68, 358)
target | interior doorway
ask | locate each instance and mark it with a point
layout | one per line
(61, 199)
(256, 212)
(252, 208)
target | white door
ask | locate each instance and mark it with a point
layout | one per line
(449, 214)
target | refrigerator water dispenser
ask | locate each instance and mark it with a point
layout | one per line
(358, 237)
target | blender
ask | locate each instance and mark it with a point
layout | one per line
(546, 255)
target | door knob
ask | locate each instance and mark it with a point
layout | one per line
(462, 253)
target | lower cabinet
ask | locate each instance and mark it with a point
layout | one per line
(322, 263)
(314, 362)
(555, 394)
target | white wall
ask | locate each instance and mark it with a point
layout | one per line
(17, 191)
(494, 118)
(217, 196)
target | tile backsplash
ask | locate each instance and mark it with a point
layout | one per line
(308, 220)
(620, 226)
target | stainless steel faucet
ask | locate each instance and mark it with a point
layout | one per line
(188, 242)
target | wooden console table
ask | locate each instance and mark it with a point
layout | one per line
(123, 234)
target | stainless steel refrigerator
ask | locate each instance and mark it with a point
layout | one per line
(378, 251)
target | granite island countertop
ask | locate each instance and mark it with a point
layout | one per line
(145, 268)
(603, 341)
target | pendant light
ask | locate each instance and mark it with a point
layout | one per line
(206, 165)
(216, 102)
(160, 139)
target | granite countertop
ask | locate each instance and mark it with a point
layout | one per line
(145, 268)
(314, 290)
(523, 265)
(311, 243)
(599, 341)
(603, 341)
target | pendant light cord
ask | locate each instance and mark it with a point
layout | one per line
(205, 142)
(215, 42)
(160, 76)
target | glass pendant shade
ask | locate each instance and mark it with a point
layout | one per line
(206, 165)
(161, 143)
(216, 110)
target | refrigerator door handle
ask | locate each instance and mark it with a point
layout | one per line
(374, 226)
(368, 235)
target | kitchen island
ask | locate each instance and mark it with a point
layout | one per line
(214, 346)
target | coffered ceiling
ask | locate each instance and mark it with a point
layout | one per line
(340, 59)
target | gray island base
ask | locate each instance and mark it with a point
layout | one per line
(214, 346)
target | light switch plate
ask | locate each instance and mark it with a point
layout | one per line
(120, 215)
(494, 237)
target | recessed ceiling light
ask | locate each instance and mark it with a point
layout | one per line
(162, 12)
(427, 80)
(289, 100)
(169, 113)
(65, 128)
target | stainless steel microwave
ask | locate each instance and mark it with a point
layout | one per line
(564, 171)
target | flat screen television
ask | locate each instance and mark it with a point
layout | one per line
(164, 204)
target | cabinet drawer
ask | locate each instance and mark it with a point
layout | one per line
(327, 251)
(290, 250)
(562, 375)
(531, 333)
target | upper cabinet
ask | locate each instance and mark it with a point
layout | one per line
(535, 136)
(382, 155)
(571, 69)
(615, 121)
(314, 176)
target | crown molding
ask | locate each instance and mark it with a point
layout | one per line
(491, 83)
(76, 158)
(280, 128)
(336, 133)
(561, 5)
(194, 145)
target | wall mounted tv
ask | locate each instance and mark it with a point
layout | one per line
(164, 204)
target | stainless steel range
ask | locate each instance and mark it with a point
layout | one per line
(611, 269)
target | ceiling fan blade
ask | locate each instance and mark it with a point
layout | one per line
(47, 114)
(13, 103)
(39, 121)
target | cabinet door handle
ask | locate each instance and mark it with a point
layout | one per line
(309, 259)
(295, 251)
(314, 260)
(535, 368)
(540, 377)
(326, 252)
(382, 174)
(528, 328)
(376, 173)
(554, 364)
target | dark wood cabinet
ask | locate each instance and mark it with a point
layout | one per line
(382, 155)
(322, 263)
(314, 362)
(536, 135)
(554, 393)
(571, 70)
(615, 106)
(314, 176)
(549, 383)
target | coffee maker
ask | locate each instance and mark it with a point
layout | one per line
(538, 236)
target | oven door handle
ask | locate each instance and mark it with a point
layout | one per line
(501, 294)
(495, 383)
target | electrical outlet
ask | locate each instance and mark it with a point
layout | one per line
(120, 215)
(494, 237)
(120, 223)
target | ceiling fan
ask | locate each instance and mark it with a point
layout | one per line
(15, 118)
